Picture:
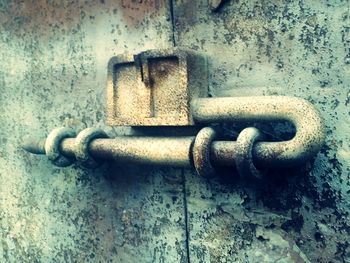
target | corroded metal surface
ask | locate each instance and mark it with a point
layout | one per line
(293, 48)
(53, 73)
(244, 162)
(303, 115)
(53, 144)
(201, 152)
(170, 151)
(306, 143)
(155, 87)
(82, 142)
(59, 50)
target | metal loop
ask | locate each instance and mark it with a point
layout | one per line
(244, 159)
(52, 146)
(82, 143)
(201, 152)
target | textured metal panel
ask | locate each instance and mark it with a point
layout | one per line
(53, 71)
(296, 48)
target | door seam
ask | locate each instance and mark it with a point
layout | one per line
(187, 240)
(172, 19)
(187, 234)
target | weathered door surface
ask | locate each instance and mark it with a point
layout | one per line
(53, 69)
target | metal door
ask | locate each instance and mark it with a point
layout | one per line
(53, 72)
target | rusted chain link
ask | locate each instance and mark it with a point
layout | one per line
(244, 161)
(201, 152)
(83, 140)
(52, 146)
